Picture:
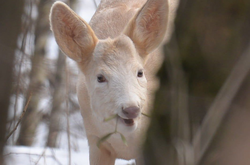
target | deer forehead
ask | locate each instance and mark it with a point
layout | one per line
(116, 54)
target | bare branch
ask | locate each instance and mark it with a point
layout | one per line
(32, 154)
(221, 105)
(95, 4)
(53, 155)
(13, 153)
(67, 109)
(20, 119)
(40, 156)
(27, 28)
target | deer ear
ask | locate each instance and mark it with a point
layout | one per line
(147, 29)
(73, 35)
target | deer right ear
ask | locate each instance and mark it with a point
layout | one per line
(73, 35)
(148, 27)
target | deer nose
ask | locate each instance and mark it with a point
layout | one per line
(131, 112)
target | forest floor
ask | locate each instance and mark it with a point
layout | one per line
(20, 155)
(40, 155)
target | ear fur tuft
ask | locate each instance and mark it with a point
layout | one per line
(148, 27)
(73, 35)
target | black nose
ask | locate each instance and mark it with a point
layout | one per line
(131, 112)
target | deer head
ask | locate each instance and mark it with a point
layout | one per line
(113, 68)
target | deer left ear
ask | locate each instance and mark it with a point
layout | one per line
(147, 29)
(73, 35)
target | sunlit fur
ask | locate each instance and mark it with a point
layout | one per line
(118, 60)
(122, 39)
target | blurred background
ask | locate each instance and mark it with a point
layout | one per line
(43, 109)
(201, 114)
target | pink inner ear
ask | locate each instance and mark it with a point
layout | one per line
(78, 37)
(65, 28)
(72, 28)
(150, 20)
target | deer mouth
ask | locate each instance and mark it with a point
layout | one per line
(127, 122)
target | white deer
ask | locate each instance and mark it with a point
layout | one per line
(117, 57)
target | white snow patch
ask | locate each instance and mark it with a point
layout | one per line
(20, 155)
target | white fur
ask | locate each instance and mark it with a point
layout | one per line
(120, 40)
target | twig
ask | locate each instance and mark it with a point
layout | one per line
(105, 137)
(144, 114)
(221, 105)
(40, 156)
(13, 153)
(67, 110)
(25, 108)
(54, 156)
(95, 3)
(31, 154)
(22, 49)
(116, 124)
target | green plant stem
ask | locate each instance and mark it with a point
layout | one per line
(146, 115)
(116, 124)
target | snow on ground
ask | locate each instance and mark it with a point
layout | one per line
(38, 155)
(19, 155)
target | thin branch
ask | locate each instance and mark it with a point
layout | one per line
(23, 52)
(116, 124)
(54, 156)
(25, 108)
(95, 4)
(221, 105)
(22, 49)
(40, 156)
(13, 153)
(67, 109)
(31, 154)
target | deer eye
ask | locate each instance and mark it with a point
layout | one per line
(140, 73)
(101, 78)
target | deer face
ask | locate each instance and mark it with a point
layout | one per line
(113, 68)
(116, 82)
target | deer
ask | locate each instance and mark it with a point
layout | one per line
(118, 56)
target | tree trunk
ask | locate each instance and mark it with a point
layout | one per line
(169, 132)
(10, 26)
(58, 99)
(58, 95)
(225, 130)
(37, 76)
(211, 35)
